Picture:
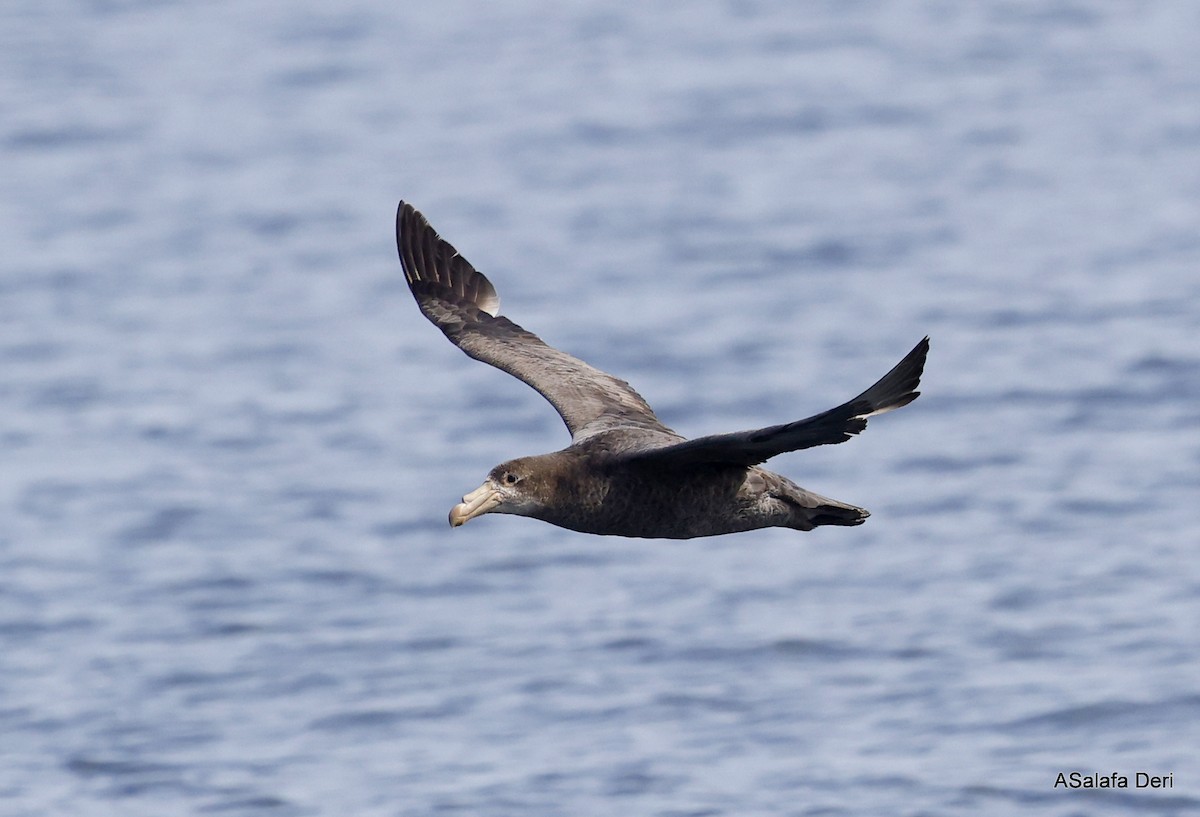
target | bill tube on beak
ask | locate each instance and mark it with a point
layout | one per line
(477, 503)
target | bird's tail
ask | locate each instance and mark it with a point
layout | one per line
(811, 510)
(831, 513)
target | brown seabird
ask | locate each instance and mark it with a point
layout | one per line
(625, 473)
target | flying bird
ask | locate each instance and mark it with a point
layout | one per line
(625, 473)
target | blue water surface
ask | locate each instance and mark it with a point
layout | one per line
(228, 439)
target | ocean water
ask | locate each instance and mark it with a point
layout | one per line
(228, 439)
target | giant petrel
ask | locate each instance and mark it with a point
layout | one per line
(625, 473)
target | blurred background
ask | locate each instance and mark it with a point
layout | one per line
(229, 440)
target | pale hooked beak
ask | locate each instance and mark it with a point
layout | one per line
(477, 503)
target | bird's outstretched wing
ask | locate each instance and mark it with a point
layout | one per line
(461, 302)
(894, 389)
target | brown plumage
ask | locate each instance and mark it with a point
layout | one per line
(625, 473)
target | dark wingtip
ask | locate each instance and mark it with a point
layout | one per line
(401, 211)
(410, 225)
(917, 356)
(430, 260)
(898, 387)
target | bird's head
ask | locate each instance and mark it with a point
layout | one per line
(518, 486)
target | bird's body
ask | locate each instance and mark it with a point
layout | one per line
(625, 473)
(589, 488)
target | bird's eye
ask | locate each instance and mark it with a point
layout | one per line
(511, 479)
